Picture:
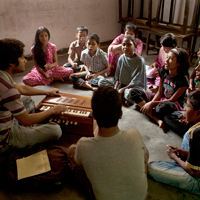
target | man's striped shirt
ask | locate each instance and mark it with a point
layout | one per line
(10, 105)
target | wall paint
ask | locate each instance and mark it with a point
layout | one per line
(20, 19)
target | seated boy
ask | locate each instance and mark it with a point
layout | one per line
(95, 64)
(76, 48)
(183, 174)
(12, 110)
(115, 161)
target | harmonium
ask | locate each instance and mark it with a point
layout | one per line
(77, 120)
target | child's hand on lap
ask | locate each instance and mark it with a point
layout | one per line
(47, 66)
(88, 76)
(47, 75)
(93, 76)
(74, 65)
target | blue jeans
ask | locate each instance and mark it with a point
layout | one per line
(173, 122)
(21, 136)
(172, 174)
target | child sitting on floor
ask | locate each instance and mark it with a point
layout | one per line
(115, 48)
(130, 70)
(172, 88)
(95, 64)
(168, 42)
(46, 68)
(184, 173)
(75, 49)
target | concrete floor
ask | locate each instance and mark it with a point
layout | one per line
(153, 136)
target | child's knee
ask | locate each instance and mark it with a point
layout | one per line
(71, 150)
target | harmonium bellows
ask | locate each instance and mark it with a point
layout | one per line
(77, 120)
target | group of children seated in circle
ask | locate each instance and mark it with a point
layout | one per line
(115, 161)
(157, 90)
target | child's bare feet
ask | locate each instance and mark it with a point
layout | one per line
(162, 125)
(137, 107)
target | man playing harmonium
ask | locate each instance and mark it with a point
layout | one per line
(17, 117)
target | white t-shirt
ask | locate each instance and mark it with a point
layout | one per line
(114, 165)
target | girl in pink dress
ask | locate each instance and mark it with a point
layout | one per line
(115, 48)
(46, 67)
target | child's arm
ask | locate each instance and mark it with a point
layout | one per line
(139, 47)
(116, 45)
(88, 75)
(116, 84)
(172, 154)
(55, 62)
(70, 60)
(116, 48)
(106, 65)
(149, 105)
(40, 69)
(71, 54)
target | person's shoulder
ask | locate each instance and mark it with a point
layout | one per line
(32, 48)
(101, 52)
(196, 134)
(74, 43)
(85, 141)
(131, 131)
(51, 44)
(122, 57)
(6, 78)
(85, 51)
(132, 134)
(138, 40)
(119, 37)
(182, 78)
(140, 58)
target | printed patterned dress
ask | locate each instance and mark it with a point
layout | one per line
(36, 78)
(113, 58)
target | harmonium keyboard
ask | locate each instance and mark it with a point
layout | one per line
(77, 120)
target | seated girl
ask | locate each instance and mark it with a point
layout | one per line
(46, 68)
(184, 173)
(168, 42)
(130, 70)
(115, 48)
(172, 88)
